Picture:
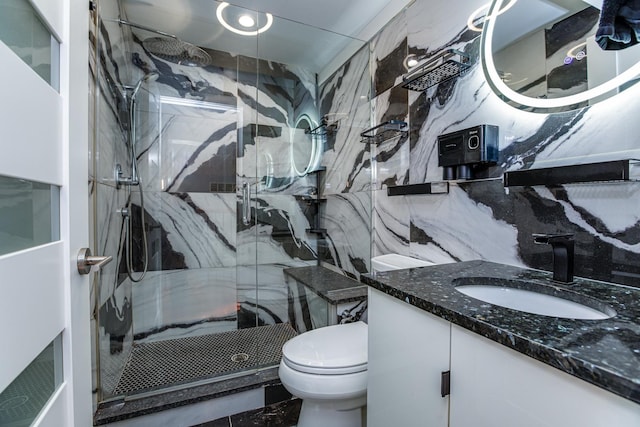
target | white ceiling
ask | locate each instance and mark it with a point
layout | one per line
(306, 33)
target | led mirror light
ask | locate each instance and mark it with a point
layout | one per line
(539, 104)
(223, 21)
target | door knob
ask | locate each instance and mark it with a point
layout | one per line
(88, 263)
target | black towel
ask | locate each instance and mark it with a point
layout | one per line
(619, 25)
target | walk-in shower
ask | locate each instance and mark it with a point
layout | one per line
(198, 293)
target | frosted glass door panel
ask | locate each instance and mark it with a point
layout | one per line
(29, 214)
(22, 30)
(25, 397)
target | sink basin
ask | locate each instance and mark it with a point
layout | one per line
(534, 298)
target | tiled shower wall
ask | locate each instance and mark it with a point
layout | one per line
(202, 133)
(111, 302)
(480, 219)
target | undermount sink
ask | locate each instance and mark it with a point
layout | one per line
(534, 298)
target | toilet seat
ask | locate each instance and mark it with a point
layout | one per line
(332, 350)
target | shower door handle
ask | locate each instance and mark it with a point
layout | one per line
(246, 207)
(88, 263)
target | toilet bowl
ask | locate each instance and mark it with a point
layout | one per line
(327, 369)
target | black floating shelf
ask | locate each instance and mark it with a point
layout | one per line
(385, 131)
(617, 170)
(325, 128)
(425, 188)
(309, 199)
(320, 169)
(444, 66)
(321, 231)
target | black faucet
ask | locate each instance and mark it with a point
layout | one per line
(562, 246)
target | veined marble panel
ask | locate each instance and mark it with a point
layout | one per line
(388, 51)
(262, 294)
(392, 159)
(111, 138)
(349, 165)
(344, 98)
(173, 304)
(347, 218)
(600, 216)
(391, 224)
(110, 237)
(454, 227)
(277, 233)
(200, 227)
(196, 150)
(115, 336)
(448, 108)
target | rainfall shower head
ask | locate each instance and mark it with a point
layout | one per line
(170, 48)
(177, 51)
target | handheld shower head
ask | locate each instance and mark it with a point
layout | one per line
(150, 76)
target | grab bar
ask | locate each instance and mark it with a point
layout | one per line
(246, 207)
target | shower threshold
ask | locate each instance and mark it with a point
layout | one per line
(156, 366)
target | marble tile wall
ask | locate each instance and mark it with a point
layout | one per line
(346, 184)
(200, 134)
(481, 220)
(111, 296)
(234, 132)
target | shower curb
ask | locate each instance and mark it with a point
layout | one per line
(121, 410)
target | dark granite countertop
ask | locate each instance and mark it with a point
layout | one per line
(333, 287)
(605, 353)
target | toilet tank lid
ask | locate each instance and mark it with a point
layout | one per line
(330, 347)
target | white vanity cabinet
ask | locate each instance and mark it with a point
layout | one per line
(408, 351)
(491, 385)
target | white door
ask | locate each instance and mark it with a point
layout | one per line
(45, 356)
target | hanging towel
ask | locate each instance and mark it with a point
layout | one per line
(619, 25)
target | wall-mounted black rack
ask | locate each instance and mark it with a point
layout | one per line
(315, 200)
(325, 128)
(385, 131)
(439, 68)
(616, 170)
(441, 187)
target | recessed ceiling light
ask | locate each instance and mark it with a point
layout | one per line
(246, 21)
(220, 16)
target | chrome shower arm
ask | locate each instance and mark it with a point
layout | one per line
(145, 28)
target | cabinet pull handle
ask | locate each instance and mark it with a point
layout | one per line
(445, 383)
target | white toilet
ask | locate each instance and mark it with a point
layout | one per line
(327, 369)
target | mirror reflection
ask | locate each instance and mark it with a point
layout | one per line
(547, 49)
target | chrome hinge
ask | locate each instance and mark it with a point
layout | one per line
(445, 383)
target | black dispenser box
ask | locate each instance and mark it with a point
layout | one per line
(459, 152)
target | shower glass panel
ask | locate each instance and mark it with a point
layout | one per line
(210, 191)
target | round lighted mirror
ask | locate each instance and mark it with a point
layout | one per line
(542, 55)
(304, 146)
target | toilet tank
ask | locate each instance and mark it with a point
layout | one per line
(390, 262)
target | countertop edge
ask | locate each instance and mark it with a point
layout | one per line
(570, 364)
